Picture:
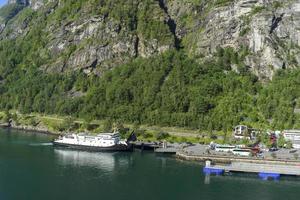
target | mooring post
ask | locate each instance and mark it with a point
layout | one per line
(207, 163)
(164, 144)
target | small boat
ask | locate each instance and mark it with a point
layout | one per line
(101, 142)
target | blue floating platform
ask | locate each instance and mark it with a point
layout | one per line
(208, 170)
(266, 176)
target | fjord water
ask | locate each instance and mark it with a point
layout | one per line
(32, 169)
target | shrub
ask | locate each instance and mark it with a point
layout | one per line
(162, 135)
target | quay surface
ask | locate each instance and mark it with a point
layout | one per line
(169, 150)
(203, 153)
(285, 164)
(230, 159)
(173, 148)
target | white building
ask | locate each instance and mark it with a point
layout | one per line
(243, 132)
(293, 136)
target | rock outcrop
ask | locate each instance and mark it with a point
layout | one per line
(34, 4)
(92, 42)
(269, 29)
(23, 2)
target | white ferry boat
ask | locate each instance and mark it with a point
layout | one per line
(101, 142)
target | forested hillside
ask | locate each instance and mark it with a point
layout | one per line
(136, 62)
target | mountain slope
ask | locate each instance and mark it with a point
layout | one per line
(93, 35)
(193, 63)
(97, 35)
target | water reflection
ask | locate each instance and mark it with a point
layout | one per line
(252, 178)
(207, 179)
(41, 144)
(104, 161)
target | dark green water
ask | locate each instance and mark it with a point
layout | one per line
(31, 169)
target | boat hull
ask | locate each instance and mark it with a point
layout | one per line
(119, 147)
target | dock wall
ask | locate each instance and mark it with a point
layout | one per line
(229, 159)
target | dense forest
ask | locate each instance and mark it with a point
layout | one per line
(168, 89)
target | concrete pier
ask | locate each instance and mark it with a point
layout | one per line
(168, 148)
(232, 163)
(293, 170)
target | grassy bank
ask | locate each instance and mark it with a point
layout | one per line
(56, 124)
(65, 124)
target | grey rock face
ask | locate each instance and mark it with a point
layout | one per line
(274, 38)
(36, 4)
(103, 43)
(2, 24)
(91, 43)
(23, 2)
(98, 43)
(269, 30)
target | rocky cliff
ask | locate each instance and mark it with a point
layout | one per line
(93, 36)
(34, 4)
(268, 29)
